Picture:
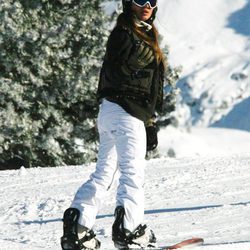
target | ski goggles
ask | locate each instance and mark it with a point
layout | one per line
(142, 3)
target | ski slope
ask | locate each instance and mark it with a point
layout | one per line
(197, 195)
(205, 190)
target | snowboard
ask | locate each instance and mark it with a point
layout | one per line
(189, 243)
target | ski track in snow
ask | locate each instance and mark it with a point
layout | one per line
(185, 197)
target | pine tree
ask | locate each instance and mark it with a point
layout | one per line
(50, 56)
(171, 93)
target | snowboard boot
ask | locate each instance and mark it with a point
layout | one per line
(75, 236)
(124, 239)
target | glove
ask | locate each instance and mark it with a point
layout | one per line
(142, 56)
(151, 133)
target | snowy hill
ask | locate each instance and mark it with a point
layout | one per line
(211, 40)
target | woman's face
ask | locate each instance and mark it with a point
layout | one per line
(142, 13)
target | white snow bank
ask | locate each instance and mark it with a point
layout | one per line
(207, 142)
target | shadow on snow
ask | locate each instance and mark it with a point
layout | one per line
(240, 20)
(237, 118)
(153, 211)
(226, 243)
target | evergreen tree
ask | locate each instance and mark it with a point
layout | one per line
(50, 56)
(171, 92)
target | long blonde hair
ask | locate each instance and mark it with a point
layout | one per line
(152, 40)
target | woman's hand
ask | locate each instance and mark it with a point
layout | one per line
(151, 133)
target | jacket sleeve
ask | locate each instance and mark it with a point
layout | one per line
(119, 47)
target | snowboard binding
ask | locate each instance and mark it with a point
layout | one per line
(123, 239)
(70, 239)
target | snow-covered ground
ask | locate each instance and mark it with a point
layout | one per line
(203, 142)
(199, 193)
(200, 185)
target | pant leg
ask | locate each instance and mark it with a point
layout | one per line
(131, 151)
(122, 136)
(91, 194)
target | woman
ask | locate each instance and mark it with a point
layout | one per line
(130, 91)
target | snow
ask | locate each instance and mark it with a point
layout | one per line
(200, 184)
(203, 142)
(199, 193)
(211, 41)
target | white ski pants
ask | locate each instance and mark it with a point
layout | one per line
(123, 146)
